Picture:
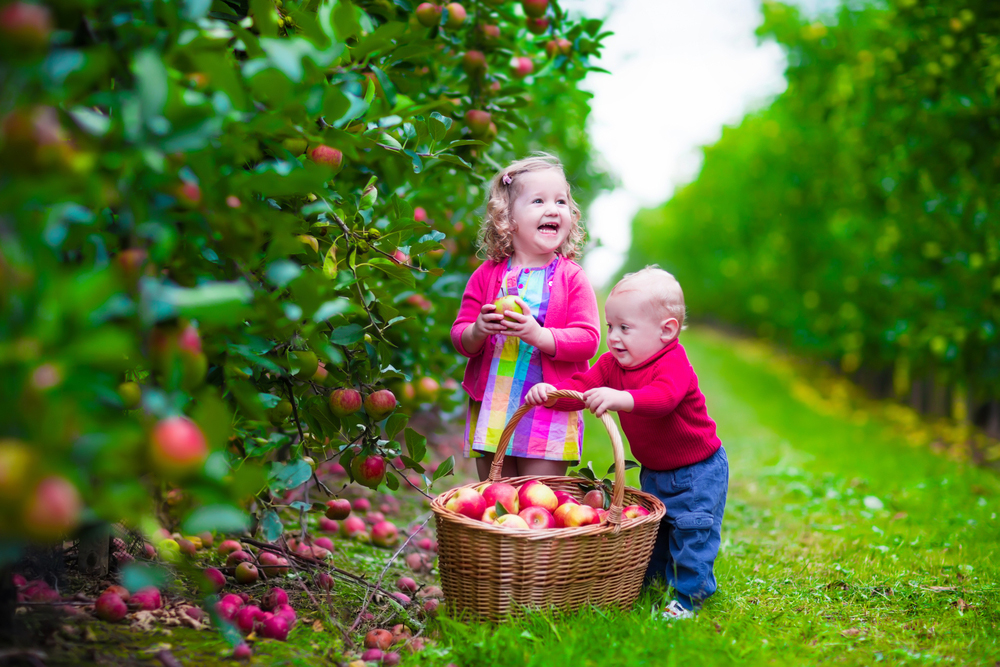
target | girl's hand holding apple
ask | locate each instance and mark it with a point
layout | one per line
(524, 326)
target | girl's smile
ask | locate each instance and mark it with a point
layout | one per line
(543, 217)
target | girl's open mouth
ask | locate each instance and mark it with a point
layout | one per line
(548, 227)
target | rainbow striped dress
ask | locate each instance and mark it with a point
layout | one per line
(516, 367)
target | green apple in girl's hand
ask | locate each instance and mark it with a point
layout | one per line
(507, 303)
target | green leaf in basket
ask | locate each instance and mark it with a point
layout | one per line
(446, 468)
(607, 498)
(585, 473)
(501, 510)
(629, 465)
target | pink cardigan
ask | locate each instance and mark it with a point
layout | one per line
(572, 318)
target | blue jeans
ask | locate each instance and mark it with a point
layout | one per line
(691, 532)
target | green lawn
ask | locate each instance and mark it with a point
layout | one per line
(842, 544)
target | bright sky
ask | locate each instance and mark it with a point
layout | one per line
(681, 69)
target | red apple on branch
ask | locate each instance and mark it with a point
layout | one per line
(177, 446)
(456, 16)
(537, 26)
(25, 26)
(522, 66)
(429, 14)
(368, 470)
(535, 8)
(345, 402)
(380, 404)
(478, 122)
(327, 156)
(474, 63)
(52, 509)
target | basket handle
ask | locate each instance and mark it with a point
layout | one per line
(618, 490)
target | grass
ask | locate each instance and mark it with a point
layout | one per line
(841, 544)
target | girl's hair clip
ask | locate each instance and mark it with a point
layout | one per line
(507, 180)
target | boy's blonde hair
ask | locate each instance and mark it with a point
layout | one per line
(496, 234)
(664, 292)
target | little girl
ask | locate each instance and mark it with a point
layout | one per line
(531, 234)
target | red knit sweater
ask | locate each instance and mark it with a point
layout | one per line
(669, 426)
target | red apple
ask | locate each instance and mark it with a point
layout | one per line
(344, 402)
(503, 493)
(602, 516)
(432, 604)
(560, 514)
(374, 517)
(419, 214)
(537, 518)
(274, 598)
(52, 509)
(177, 446)
(374, 655)
(536, 494)
(384, 534)
(522, 66)
(232, 201)
(535, 8)
(246, 573)
(537, 26)
(428, 14)
(456, 16)
(474, 63)
(361, 505)
(564, 498)
(323, 543)
(110, 607)
(227, 547)
(380, 404)
(512, 521)
(634, 512)
(328, 156)
(242, 652)
(188, 193)
(25, 27)
(581, 515)
(490, 33)
(595, 499)
(275, 627)
(325, 581)
(328, 525)
(406, 584)
(378, 638)
(353, 526)
(130, 262)
(270, 564)
(338, 509)
(237, 557)
(467, 503)
(368, 470)
(120, 591)
(214, 579)
(478, 121)
(147, 599)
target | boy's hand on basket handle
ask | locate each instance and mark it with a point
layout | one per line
(539, 395)
(601, 399)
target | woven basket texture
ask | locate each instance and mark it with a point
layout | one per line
(492, 572)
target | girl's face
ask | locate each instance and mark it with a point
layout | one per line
(541, 214)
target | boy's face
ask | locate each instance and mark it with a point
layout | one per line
(636, 329)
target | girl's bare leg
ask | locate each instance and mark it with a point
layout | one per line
(483, 464)
(539, 467)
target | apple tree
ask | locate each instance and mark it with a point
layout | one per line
(217, 212)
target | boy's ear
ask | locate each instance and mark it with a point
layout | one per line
(669, 328)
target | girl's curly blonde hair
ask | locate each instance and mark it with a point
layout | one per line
(496, 234)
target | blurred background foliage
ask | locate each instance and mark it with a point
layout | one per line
(171, 245)
(854, 219)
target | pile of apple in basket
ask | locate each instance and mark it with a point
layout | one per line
(534, 505)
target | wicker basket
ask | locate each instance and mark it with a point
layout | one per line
(492, 572)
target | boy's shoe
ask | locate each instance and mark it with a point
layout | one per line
(675, 611)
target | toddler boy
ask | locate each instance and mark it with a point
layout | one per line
(645, 376)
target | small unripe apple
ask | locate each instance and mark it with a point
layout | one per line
(345, 402)
(25, 26)
(177, 446)
(295, 145)
(246, 573)
(537, 26)
(478, 121)
(456, 16)
(15, 463)
(327, 155)
(380, 404)
(131, 395)
(474, 63)
(523, 66)
(429, 14)
(280, 413)
(535, 8)
(52, 509)
(305, 363)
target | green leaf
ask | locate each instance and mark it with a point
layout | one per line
(331, 308)
(271, 526)
(347, 335)
(416, 445)
(501, 510)
(439, 126)
(629, 465)
(395, 424)
(151, 81)
(446, 468)
(393, 270)
(410, 463)
(289, 475)
(217, 518)
(391, 481)
(282, 272)
(269, 400)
